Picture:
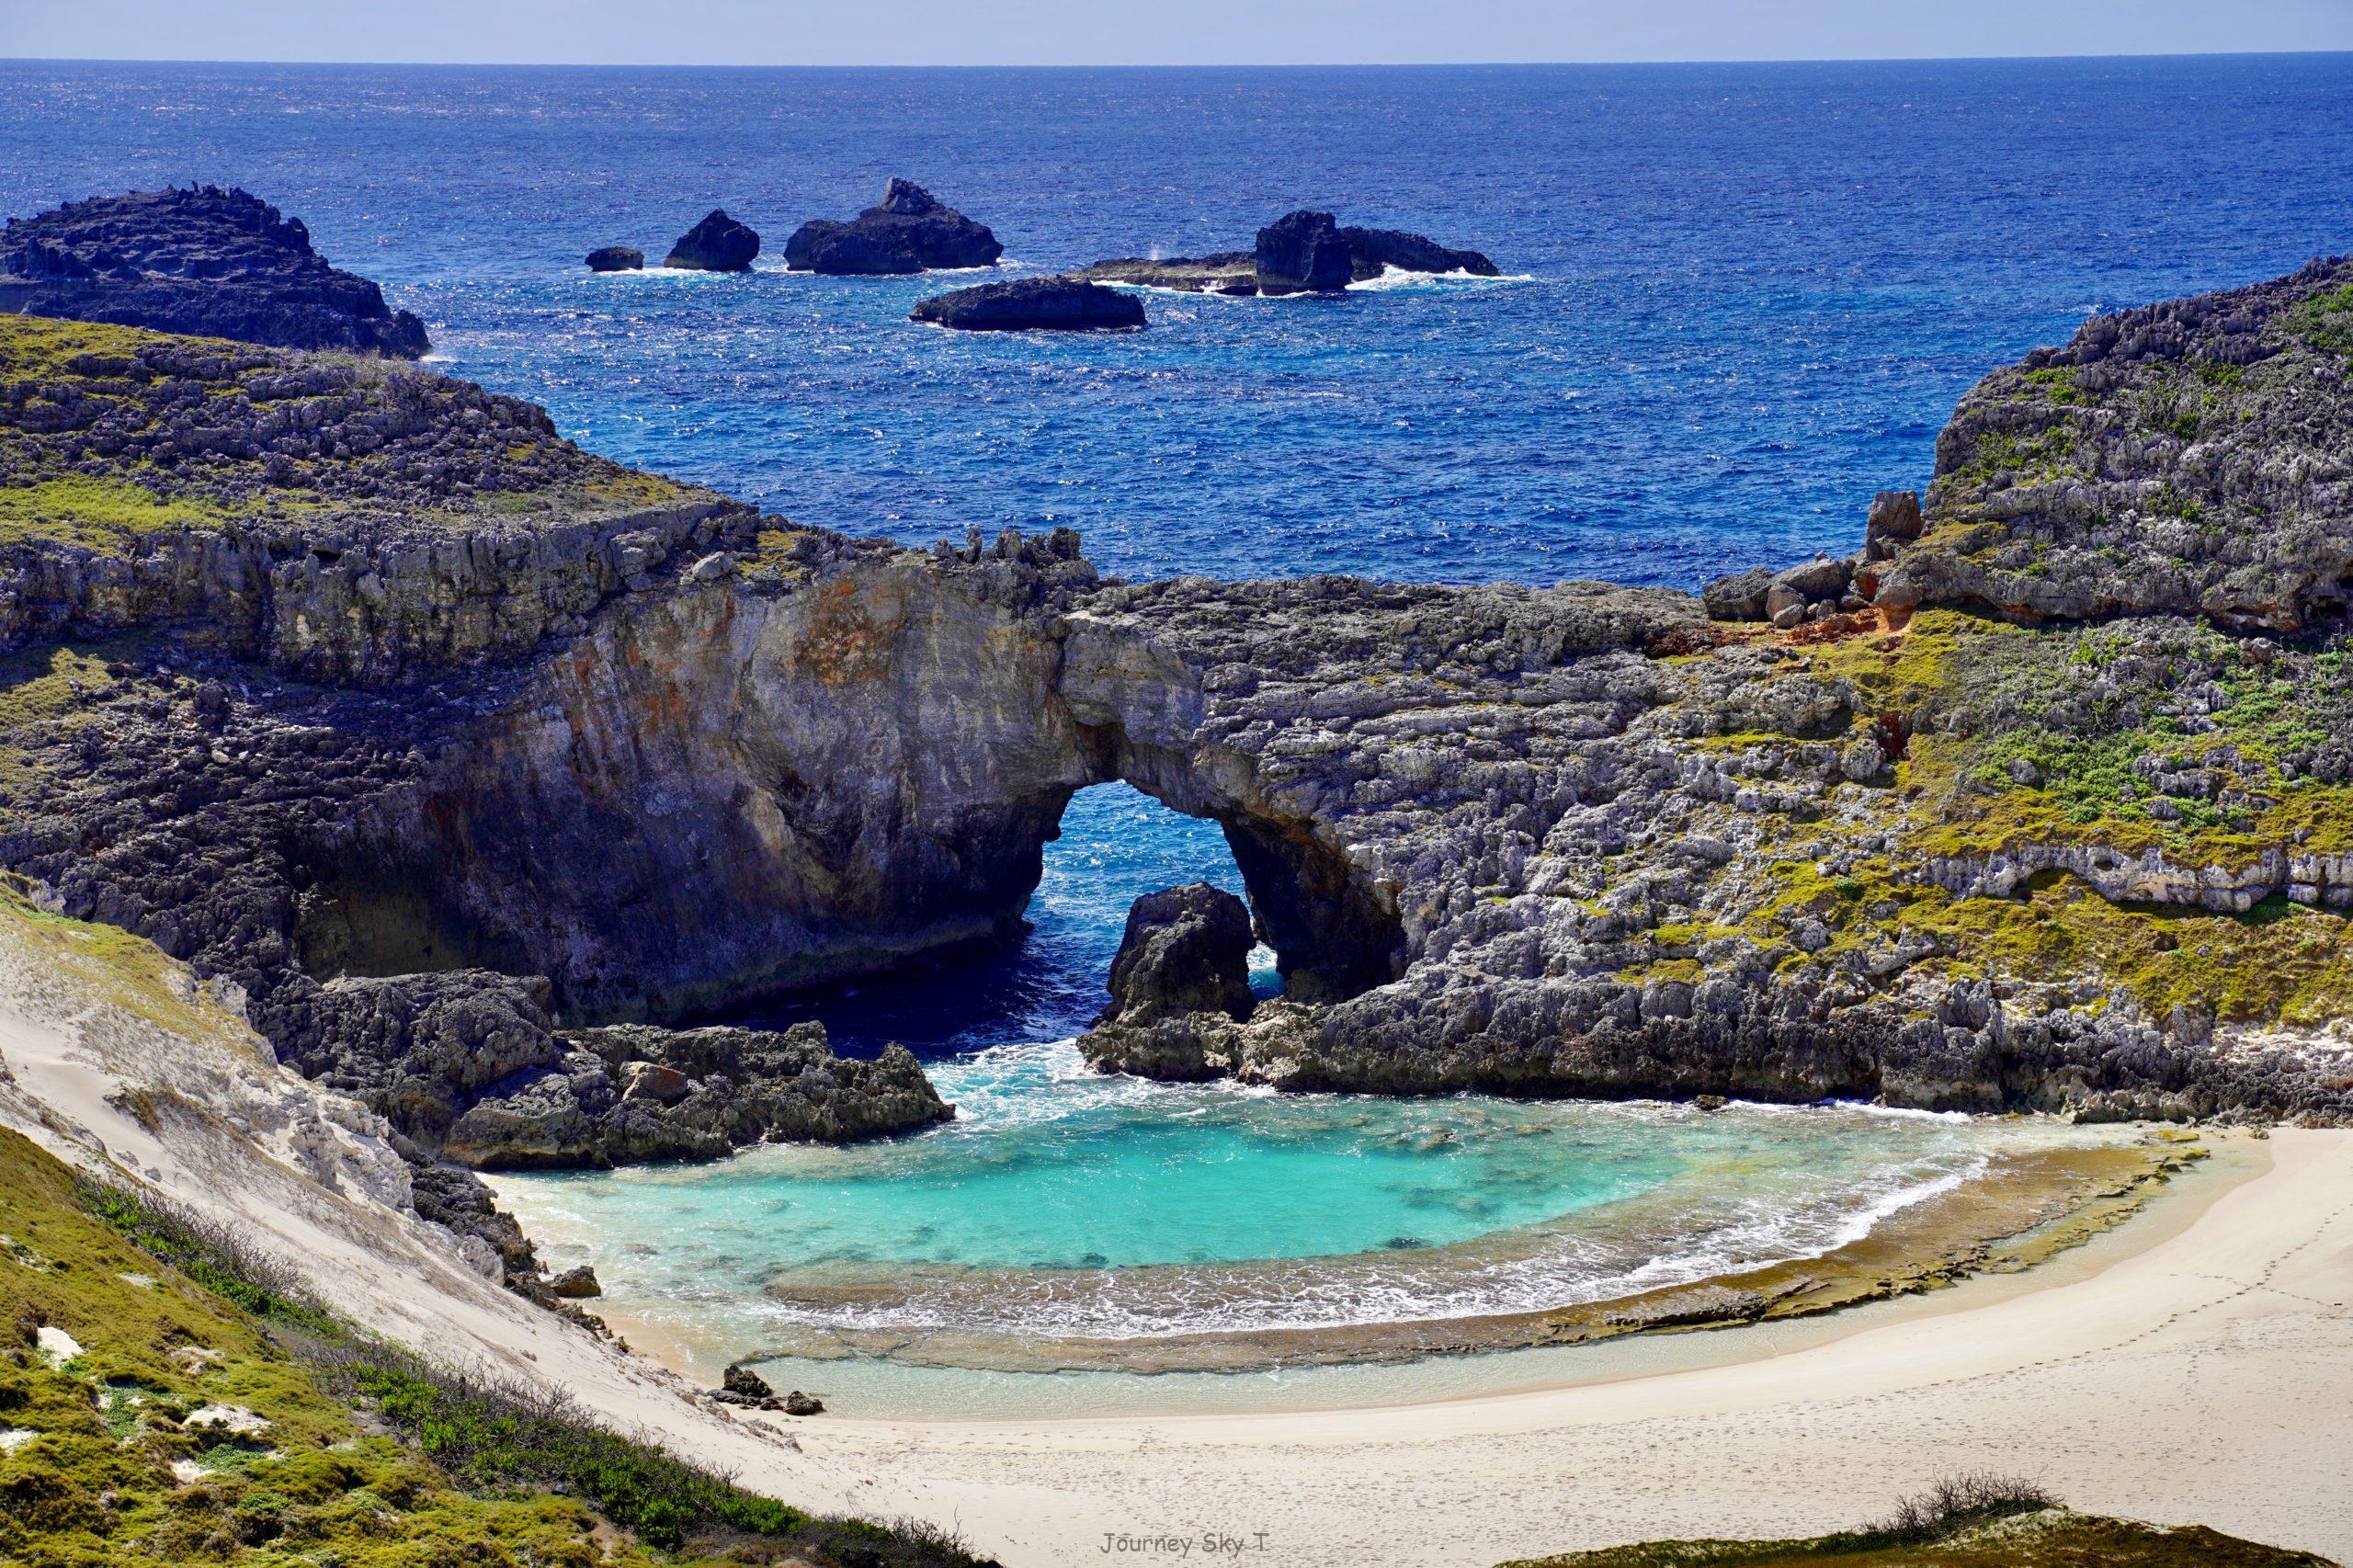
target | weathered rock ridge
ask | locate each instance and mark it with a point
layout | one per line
(1581, 839)
(204, 261)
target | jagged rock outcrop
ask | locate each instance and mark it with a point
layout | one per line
(2194, 457)
(346, 521)
(1300, 253)
(1186, 952)
(1373, 251)
(718, 243)
(1570, 840)
(910, 229)
(616, 258)
(633, 1094)
(1034, 305)
(204, 261)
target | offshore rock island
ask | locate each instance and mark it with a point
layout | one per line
(204, 260)
(364, 692)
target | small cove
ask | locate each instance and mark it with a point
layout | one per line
(1068, 1221)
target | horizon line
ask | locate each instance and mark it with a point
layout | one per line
(1187, 65)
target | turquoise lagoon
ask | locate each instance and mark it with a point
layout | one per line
(1066, 1219)
(1065, 1208)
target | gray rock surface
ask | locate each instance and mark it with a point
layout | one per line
(631, 1094)
(1034, 305)
(204, 261)
(2190, 457)
(718, 243)
(1580, 839)
(1185, 951)
(616, 258)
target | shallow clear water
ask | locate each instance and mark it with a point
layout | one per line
(1063, 1203)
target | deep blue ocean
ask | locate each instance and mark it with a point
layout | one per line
(1740, 299)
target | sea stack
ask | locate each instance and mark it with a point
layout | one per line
(1034, 305)
(1302, 252)
(909, 231)
(204, 261)
(718, 243)
(616, 258)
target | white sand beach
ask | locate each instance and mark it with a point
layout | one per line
(2201, 1370)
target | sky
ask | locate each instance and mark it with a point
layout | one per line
(1122, 33)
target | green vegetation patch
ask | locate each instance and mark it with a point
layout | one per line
(2325, 320)
(212, 1414)
(1973, 1521)
(2158, 738)
(104, 513)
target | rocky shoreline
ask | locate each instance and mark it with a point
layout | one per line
(206, 261)
(445, 744)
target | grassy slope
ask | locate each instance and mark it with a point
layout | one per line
(364, 1461)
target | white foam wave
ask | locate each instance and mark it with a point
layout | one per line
(1392, 278)
(1566, 1266)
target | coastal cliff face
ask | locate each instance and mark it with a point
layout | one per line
(439, 775)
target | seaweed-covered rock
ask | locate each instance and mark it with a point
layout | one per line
(616, 258)
(1034, 305)
(204, 261)
(908, 230)
(718, 243)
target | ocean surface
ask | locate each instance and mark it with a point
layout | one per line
(1737, 301)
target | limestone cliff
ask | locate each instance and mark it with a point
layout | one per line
(440, 771)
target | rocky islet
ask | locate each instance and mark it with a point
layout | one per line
(1301, 251)
(910, 229)
(718, 243)
(1034, 305)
